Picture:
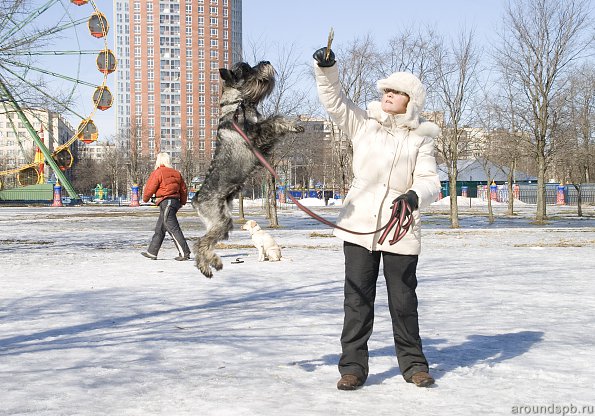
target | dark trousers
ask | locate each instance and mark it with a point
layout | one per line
(361, 275)
(168, 222)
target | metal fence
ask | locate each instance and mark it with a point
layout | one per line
(554, 194)
(587, 194)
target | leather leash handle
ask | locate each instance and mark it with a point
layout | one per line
(402, 218)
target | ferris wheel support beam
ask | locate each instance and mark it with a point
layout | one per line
(46, 153)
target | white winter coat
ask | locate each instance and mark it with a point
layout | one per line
(391, 155)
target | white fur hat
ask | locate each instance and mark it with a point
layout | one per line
(412, 86)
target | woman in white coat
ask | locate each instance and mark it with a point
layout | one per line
(393, 159)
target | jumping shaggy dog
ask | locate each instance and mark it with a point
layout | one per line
(244, 88)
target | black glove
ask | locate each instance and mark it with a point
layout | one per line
(411, 198)
(320, 57)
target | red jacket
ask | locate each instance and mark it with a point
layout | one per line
(165, 182)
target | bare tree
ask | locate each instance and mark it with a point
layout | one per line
(86, 173)
(411, 51)
(139, 165)
(357, 62)
(113, 168)
(488, 167)
(540, 41)
(577, 130)
(503, 145)
(511, 144)
(456, 82)
(190, 165)
(289, 99)
(341, 158)
(485, 149)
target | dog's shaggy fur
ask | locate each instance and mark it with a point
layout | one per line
(267, 247)
(244, 87)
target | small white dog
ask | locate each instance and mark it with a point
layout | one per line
(268, 249)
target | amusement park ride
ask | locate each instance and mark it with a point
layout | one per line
(31, 36)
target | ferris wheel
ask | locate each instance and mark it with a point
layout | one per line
(54, 64)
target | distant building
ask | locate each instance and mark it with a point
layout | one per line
(95, 151)
(17, 147)
(473, 172)
(168, 84)
(316, 162)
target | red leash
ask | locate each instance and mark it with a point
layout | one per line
(401, 217)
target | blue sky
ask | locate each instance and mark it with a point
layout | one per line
(306, 23)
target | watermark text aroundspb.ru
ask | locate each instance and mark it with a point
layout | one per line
(553, 409)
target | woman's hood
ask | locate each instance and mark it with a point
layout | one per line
(412, 86)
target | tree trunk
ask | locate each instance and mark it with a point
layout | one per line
(265, 198)
(510, 187)
(272, 198)
(454, 208)
(490, 209)
(241, 216)
(579, 200)
(540, 216)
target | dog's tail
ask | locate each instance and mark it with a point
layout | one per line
(274, 254)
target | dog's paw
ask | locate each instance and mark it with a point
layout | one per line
(216, 262)
(203, 267)
(206, 270)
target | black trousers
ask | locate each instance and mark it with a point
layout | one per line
(361, 275)
(168, 222)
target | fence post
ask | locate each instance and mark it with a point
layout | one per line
(560, 195)
(57, 195)
(134, 196)
(494, 191)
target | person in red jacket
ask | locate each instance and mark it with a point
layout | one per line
(171, 194)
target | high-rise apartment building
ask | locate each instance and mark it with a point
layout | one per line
(168, 86)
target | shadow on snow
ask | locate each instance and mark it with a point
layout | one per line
(487, 349)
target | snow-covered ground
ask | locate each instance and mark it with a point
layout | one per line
(90, 327)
